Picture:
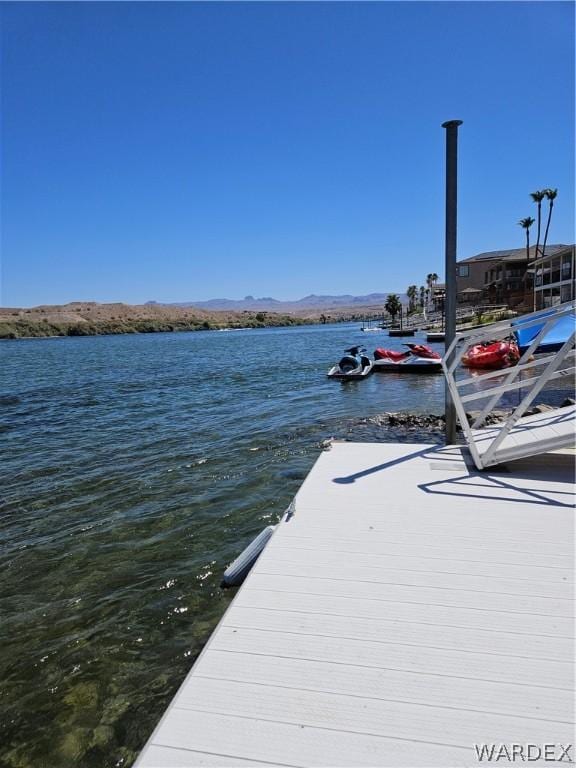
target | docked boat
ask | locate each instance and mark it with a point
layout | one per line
(418, 358)
(492, 355)
(368, 326)
(354, 365)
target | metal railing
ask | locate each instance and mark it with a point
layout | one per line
(492, 385)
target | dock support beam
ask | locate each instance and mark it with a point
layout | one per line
(450, 259)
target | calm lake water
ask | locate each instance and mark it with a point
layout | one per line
(134, 469)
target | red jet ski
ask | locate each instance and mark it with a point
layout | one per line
(492, 354)
(418, 358)
(421, 350)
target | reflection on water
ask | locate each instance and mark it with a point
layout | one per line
(134, 469)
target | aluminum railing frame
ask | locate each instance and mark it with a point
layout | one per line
(552, 371)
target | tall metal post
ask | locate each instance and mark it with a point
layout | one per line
(450, 259)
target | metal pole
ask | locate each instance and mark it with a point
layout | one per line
(450, 259)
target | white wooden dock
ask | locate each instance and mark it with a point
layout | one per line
(409, 609)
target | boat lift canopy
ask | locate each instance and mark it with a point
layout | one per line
(552, 340)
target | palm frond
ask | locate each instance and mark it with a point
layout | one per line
(527, 222)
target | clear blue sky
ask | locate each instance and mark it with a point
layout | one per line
(179, 151)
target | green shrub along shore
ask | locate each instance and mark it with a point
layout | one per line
(24, 328)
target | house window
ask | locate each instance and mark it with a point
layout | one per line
(463, 270)
(555, 271)
(566, 293)
(566, 267)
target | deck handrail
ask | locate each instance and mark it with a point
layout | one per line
(555, 365)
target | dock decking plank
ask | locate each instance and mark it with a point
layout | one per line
(180, 758)
(460, 549)
(432, 724)
(374, 568)
(425, 660)
(400, 556)
(364, 605)
(363, 584)
(318, 620)
(303, 674)
(300, 745)
(520, 626)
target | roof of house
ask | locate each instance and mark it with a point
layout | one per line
(512, 254)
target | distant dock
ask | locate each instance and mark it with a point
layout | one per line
(435, 336)
(408, 609)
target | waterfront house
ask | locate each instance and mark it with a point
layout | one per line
(502, 277)
(555, 278)
(437, 296)
(470, 296)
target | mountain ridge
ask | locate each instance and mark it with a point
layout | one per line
(269, 304)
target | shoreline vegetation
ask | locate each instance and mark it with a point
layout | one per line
(94, 319)
(34, 329)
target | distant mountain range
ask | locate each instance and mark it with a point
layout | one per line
(268, 304)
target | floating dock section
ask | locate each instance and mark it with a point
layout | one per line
(409, 612)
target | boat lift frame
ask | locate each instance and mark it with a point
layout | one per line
(554, 365)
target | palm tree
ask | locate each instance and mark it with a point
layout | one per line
(431, 278)
(412, 293)
(422, 296)
(393, 305)
(551, 195)
(537, 197)
(527, 223)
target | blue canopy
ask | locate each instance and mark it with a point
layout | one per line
(554, 339)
